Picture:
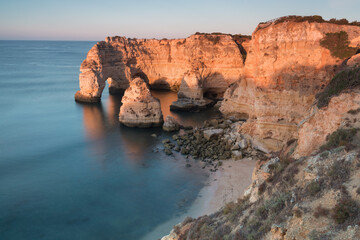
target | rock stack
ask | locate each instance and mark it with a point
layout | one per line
(139, 108)
(190, 95)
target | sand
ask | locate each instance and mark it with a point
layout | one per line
(226, 185)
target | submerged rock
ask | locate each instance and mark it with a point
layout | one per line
(139, 108)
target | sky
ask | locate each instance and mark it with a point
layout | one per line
(94, 20)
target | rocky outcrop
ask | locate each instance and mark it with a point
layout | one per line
(162, 63)
(170, 124)
(286, 66)
(354, 61)
(139, 108)
(191, 92)
(315, 197)
(322, 122)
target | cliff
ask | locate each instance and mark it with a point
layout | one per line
(287, 64)
(313, 196)
(162, 63)
(310, 198)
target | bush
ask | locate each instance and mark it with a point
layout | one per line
(345, 210)
(338, 174)
(347, 79)
(311, 19)
(321, 212)
(213, 39)
(262, 188)
(354, 111)
(341, 137)
(338, 44)
(313, 188)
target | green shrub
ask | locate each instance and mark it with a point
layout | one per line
(229, 207)
(338, 44)
(262, 188)
(237, 209)
(313, 188)
(311, 19)
(347, 79)
(354, 111)
(338, 174)
(341, 137)
(345, 210)
(213, 39)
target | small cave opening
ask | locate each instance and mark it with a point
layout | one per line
(213, 95)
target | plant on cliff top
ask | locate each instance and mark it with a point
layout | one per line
(338, 44)
(310, 19)
(347, 79)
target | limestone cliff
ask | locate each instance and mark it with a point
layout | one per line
(162, 63)
(139, 108)
(286, 65)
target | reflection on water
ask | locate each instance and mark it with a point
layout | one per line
(71, 171)
(184, 118)
(166, 98)
(102, 126)
(94, 120)
(113, 108)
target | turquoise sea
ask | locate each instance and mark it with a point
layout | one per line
(70, 170)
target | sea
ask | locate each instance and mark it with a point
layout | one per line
(71, 170)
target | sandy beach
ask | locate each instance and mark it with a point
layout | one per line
(223, 186)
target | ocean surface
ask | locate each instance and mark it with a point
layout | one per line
(70, 170)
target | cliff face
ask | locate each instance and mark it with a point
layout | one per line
(286, 66)
(162, 63)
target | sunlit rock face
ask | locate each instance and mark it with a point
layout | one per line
(285, 67)
(139, 108)
(191, 92)
(162, 63)
(322, 122)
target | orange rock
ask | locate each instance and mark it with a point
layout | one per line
(162, 63)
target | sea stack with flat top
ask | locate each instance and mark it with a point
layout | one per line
(139, 108)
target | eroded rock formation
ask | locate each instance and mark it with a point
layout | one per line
(191, 92)
(322, 122)
(162, 63)
(285, 67)
(139, 108)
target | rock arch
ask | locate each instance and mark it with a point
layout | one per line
(162, 63)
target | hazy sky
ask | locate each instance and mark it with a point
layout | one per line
(96, 19)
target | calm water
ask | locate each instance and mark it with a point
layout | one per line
(69, 170)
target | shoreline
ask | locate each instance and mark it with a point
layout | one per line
(225, 185)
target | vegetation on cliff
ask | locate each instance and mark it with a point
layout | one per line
(311, 19)
(347, 79)
(338, 44)
(326, 202)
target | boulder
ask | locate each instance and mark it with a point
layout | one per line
(171, 124)
(237, 155)
(243, 144)
(212, 133)
(139, 108)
